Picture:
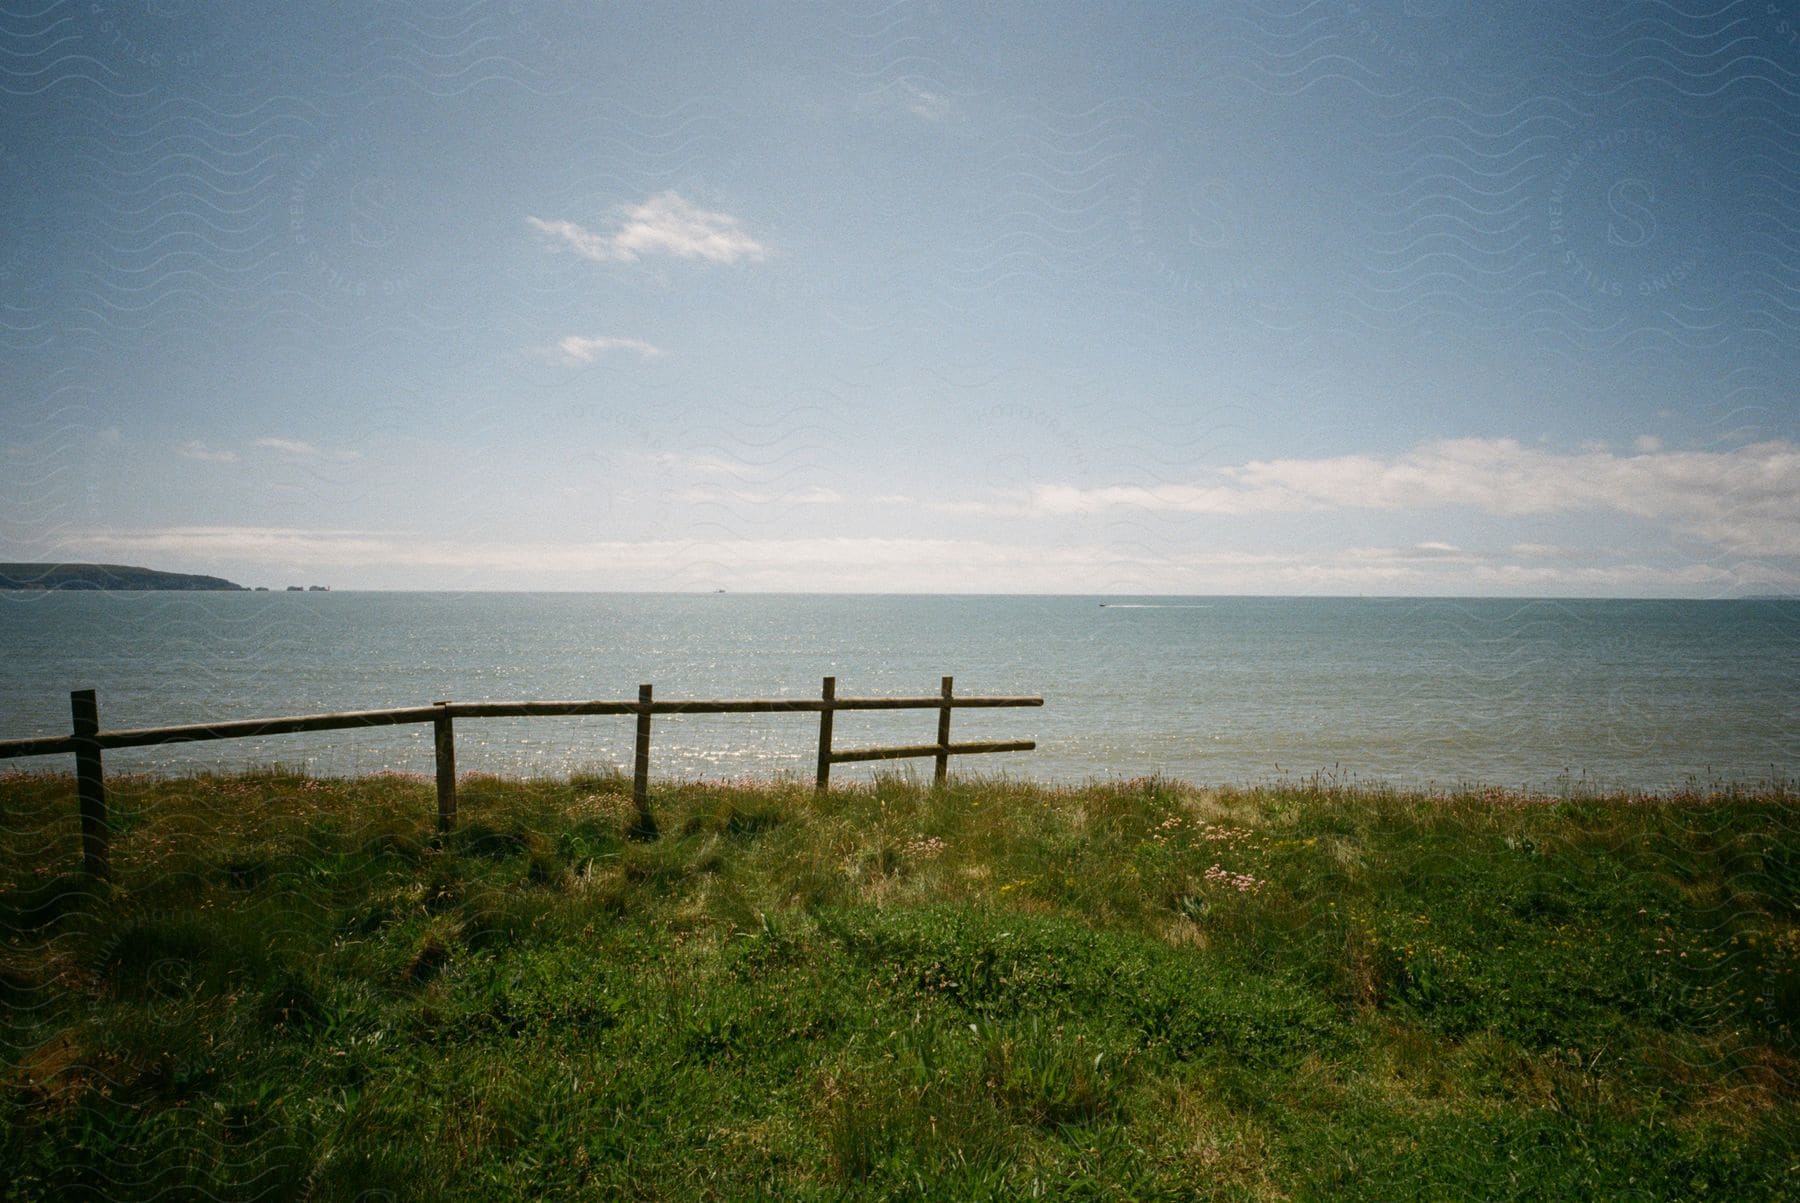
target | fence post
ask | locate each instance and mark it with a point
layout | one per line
(644, 826)
(90, 785)
(943, 755)
(444, 742)
(827, 693)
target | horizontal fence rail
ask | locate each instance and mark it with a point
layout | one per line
(87, 741)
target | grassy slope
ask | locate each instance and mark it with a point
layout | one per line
(294, 989)
(105, 576)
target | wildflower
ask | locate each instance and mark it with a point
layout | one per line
(1243, 883)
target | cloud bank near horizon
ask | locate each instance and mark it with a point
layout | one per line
(1743, 504)
(1747, 500)
(903, 565)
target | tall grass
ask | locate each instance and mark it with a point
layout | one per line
(295, 989)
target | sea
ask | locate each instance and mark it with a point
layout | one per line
(1557, 696)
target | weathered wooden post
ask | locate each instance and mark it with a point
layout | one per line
(444, 741)
(827, 694)
(90, 785)
(644, 826)
(943, 740)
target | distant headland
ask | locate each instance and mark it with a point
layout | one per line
(106, 576)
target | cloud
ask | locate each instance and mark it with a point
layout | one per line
(578, 348)
(1746, 500)
(248, 543)
(1417, 553)
(926, 104)
(702, 464)
(299, 449)
(878, 564)
(296, 449)
(808, 495)
(1191, 499)
(665, 224)
(289, 446)
(852, 563)
(818, 495)
(206, 455)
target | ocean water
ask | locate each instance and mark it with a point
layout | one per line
(1542, 695)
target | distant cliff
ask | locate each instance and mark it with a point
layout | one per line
(104, 576)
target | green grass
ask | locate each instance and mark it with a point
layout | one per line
(295, 989)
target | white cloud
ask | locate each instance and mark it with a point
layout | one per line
(289, 446)
(1418, 553)
(664, 224)
(703, 464)
(865, 564)
(295, 449)
(926, 104)
(207, 455)
(808, 495)
(1192, 499)
(577, 348)
(824, 563)
(248, 543)
(299, 449)
(1746, 500)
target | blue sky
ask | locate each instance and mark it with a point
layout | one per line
(1298, 297)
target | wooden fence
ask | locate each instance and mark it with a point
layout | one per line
(87, 741)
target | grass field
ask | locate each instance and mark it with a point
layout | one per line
(294, 989)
